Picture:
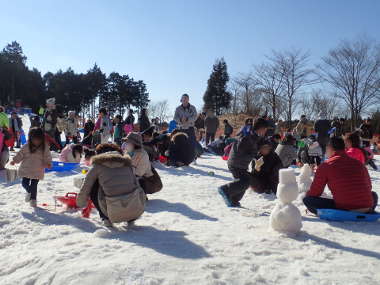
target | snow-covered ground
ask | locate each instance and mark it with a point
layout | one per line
(186, 236)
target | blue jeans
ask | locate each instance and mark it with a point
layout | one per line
(30, 185)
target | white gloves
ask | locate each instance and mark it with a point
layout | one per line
(258, 163)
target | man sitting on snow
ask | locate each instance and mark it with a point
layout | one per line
(348, 180)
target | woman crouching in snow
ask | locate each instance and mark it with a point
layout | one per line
(34, 157)
(71, 153)
(112, 186)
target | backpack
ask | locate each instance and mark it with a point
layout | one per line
(152, 184)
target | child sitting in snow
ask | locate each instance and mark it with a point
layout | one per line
(34, 157)
(71, 153)
(265, 170)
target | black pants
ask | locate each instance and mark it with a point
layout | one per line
(236, 189)
(30, 185)
(315, 203)
(210, 137)
(95, 199)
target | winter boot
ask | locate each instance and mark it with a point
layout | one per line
(27, 197)
(33, 203)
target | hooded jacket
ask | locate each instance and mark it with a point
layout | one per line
(181, 149)
(141, 163)
(120, 196)
(268, 177)
(244, 151)
(67, 155)
(32, 163)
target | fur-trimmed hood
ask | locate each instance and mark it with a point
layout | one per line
(112, 160)
(180, 136)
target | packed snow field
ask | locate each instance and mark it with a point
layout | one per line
(186, 236)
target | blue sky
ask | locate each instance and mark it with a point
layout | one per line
(172, 44)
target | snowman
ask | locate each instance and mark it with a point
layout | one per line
(305, 180)
(285, 217)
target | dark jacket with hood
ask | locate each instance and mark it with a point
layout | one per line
(144, 123)
(244, 151)
(181, 149)
(268, 176)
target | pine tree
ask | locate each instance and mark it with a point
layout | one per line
(216, 97)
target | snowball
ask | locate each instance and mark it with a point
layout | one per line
(287, 193)
(286, 218)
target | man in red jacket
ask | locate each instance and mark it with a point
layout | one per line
(347, 179)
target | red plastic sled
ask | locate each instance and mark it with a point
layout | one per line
(70, 200)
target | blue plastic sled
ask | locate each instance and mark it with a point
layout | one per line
(339, 215)
(62, 166)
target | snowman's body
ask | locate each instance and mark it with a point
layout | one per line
(305, 180)
(285, 217)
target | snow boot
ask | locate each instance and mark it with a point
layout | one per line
(107, 223)
(225, 197)
(27, 197)
(33, 203)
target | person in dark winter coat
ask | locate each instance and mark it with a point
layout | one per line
(15, 124)
(347, 179)
(366, 133)
(181, 150)
(265, 170)
(241, 155)
(228, 129)
(338, 127)
(130, 120)
(200, 125)
(287, 150)
(322, 128)
(144, 122)
(211, 126)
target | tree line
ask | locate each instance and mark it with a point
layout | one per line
(346, 83)
(81, 92)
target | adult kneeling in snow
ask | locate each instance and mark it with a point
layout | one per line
(112, 186)
(348, 180)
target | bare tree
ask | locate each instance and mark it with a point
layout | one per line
(250, 96)
(159, 110)
(319, 103)
(353, 69)
(271, 82)
(292, 65)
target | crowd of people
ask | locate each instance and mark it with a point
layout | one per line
(121, 154)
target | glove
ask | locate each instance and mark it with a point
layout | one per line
(258, 163)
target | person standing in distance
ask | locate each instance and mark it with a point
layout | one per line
(185, 116)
